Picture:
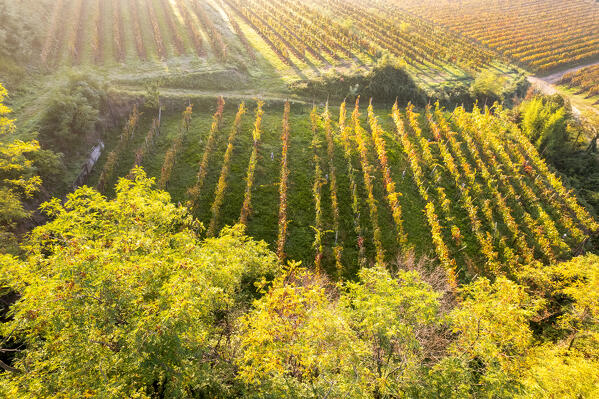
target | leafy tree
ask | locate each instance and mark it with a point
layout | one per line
(494, 333)
(379, 337)
(20, 164)
(489, 355)
(71, 113)
(387, 81)
(544, 121)
(152, 95)
(301, 341)
(488, 86)
(565, 365)
(120, 298)
(392, 316)
(296, 343)
(6, 125)
(578, 280)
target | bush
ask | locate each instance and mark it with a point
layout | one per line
(71, 113)
(490, 87)
(21, 164)
(386, 82)
(145, 309)
(544, 121)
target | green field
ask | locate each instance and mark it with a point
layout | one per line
(551, 227)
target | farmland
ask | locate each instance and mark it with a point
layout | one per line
(493, 202)
(585, 81)
(301, 40)
(121, 30)
(440, 41)
(541, 35)
(354, 185)
(299, 199)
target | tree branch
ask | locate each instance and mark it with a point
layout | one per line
(6, 367)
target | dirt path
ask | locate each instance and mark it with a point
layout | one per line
(242, 95)
(547, 85)
(549, 89)
(556, 77)
(542, 85)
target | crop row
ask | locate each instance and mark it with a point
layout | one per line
(465, 187)
(586, 80)
(159, 28)
(542, 34)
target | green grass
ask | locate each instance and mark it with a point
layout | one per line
(263, 223)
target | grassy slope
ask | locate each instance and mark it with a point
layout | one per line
(265, 203)
(267, 77)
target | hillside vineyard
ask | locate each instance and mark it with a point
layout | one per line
(586, 80)
(351, 187)
(541, 34)
(307, 199)
(302, 34)
(443, 38)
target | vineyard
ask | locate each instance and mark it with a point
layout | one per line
(348, 186)
(305, 33)
(299, 199)
(437, 41)
(310, 38)
(585, 80)
(119, 31)
(540, 34)
(300, 39)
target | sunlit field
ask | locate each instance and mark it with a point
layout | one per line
(299, 199)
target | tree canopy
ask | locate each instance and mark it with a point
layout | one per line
(20, 165)
(120, 298)
(124, 297)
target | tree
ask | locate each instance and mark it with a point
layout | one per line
(565, 365)
(72, 112)
(120, 298)
(489, 354)
(20, 164)
(488, 86)
(393, 316)
(544, 122)
(6, 125)
(306, 338)
(295, 342)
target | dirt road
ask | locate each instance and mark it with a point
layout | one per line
(556, 77)
(549, 89)
(548, 85)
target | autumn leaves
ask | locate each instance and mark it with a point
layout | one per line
(346, 192)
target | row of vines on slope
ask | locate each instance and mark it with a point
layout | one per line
(156, 29)
(542, 34)
(219, 195)
(586, 80)
(114, 156)
(194, 192)
(466, 187)
(171, 155)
